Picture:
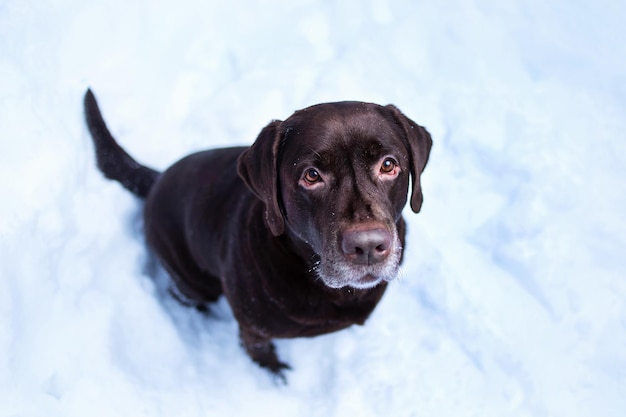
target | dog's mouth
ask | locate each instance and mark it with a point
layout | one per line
(356, 279)
(368, 281)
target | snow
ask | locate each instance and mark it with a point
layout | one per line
(512, 300)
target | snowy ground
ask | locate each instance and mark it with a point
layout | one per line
(513, 295)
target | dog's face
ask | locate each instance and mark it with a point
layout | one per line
(336, 177)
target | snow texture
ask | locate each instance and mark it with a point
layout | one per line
(512, 299)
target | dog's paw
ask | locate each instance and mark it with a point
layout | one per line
(278, 371)
(263, 352)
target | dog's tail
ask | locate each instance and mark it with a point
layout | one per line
(112, 160)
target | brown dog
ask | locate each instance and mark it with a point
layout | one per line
(301, 231)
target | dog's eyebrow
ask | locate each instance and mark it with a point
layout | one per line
(318, 155)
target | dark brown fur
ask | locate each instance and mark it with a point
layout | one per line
(293, 257)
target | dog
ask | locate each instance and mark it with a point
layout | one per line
(301, 231)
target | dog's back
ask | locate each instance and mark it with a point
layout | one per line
(191, 215)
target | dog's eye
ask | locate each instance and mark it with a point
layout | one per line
(311, 176)
(388, 166)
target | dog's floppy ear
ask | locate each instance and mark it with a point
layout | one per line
(419, 144)
(258, 167)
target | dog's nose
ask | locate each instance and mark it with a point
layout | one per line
(366, 246)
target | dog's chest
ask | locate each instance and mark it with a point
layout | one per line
(288, 316)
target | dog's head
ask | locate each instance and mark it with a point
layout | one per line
(336, 177)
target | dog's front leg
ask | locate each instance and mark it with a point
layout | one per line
(263, 352)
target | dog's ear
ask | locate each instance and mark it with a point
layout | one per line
(258, 167)
(419, 143)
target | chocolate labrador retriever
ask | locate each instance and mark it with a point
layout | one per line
(300, 231)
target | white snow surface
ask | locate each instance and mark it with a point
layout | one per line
(512, 299)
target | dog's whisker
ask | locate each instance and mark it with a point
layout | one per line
(315, 266)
